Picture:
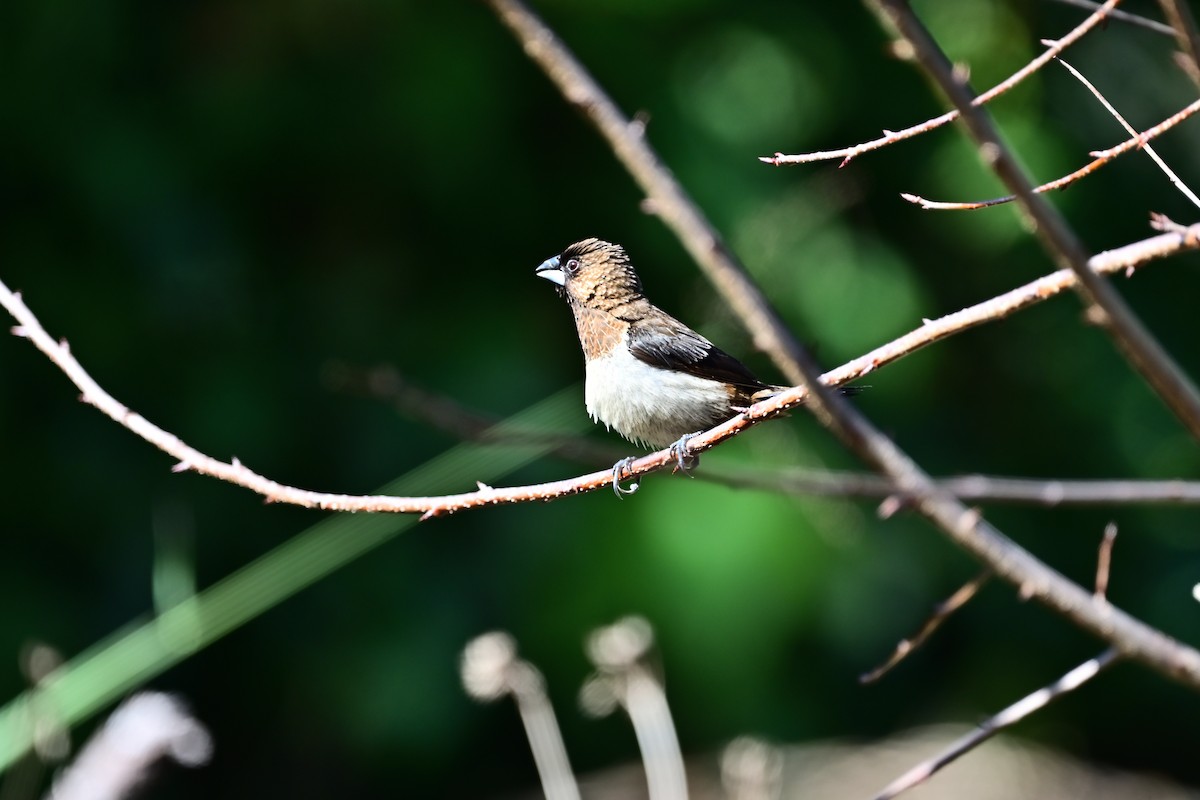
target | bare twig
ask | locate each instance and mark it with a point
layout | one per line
(1150, 151)
(1100, 158)
(891, 137)
(1018, 711)
(979, 489)
(1006, 718)
(1124, 16)
(448, 414)
(1112, 261)
(1138, 139)
(1104, 560)
(941, 613)
(1183, 25)
(668, 200)
(1105, 307)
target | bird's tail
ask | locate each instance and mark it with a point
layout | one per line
(771, 391)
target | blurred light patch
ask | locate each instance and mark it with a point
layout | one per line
(745, 88)
(853, 291)
(984, 34)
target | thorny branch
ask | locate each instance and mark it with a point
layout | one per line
(190, 459)
(891, 137)
(447, 414)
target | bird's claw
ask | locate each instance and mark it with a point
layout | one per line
(683, 462)
(618, 469)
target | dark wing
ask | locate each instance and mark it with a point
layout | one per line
(664, 342)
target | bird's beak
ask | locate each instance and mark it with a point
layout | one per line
(551, 271)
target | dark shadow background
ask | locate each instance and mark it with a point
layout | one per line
(216, 202)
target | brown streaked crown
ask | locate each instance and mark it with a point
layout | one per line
(598, 275)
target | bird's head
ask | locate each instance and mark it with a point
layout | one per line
(593, 273)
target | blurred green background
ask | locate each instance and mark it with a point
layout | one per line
(222, 204)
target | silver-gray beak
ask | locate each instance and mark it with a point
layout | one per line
(551, 271)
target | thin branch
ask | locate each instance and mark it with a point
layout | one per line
(663, 193)
(1183, 25)
(1100, 158)
(941, 613)
(1031, 703)
(448, 414)
(976, 489)
(846, 154)
(1124, 16)
(1121, 259)
(190, 459)
(1006, 718)
(1150, 151)
(1104, 304)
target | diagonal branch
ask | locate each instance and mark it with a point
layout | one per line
(891, 137)
(1105, 307)
(1004, 719)
(1150, 151)
(1124, 16)
(668, 200)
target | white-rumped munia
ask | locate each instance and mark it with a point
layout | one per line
(648, 376)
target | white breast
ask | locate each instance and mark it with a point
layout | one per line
(649, 405)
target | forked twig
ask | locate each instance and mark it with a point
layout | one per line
(1027, 705)
(1150, 151)
(1100, 158)
(846, 154)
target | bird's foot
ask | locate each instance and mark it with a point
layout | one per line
(683, 462)
(619, 469)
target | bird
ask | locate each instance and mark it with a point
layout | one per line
(648, 376)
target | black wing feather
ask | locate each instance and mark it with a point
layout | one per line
(667, 343)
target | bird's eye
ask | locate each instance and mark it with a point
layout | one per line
(572, 266)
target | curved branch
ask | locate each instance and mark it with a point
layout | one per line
(192, 460)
